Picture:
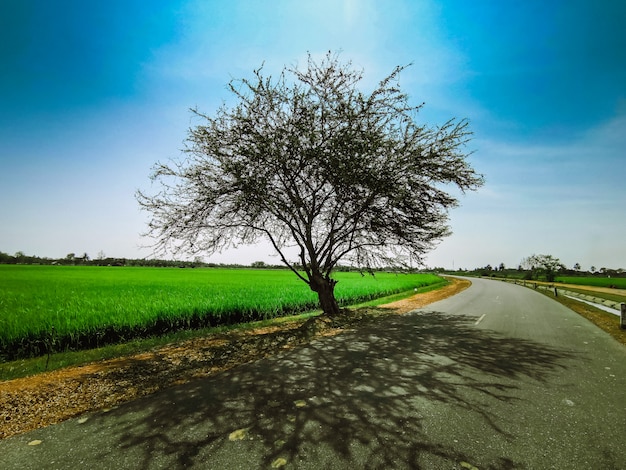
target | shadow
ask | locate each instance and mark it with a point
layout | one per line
(362, 399)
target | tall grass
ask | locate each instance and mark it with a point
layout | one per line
(47, 309)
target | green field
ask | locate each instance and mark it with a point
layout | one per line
(58, 308)
(617, 282)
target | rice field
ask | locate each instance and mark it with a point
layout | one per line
(57, 308)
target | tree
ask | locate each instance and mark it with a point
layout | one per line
(546, 265)
(308, 161)
(5, 258)
(577, 267)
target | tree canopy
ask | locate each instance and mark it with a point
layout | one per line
(546, 265)
(308, 160)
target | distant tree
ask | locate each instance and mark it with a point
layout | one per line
(258, 264)
(545, 265)
(593, 269)
(577, 267)
(310, 162)
(502, 267)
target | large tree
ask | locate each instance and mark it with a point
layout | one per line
(546, 265)
(310, 161)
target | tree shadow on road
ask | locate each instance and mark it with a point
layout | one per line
(361, 399)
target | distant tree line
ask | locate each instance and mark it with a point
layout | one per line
(535, 267)
(72, 259)
(541, 267)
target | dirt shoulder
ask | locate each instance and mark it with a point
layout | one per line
(51, 397)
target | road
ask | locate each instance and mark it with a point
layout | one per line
(496, 377)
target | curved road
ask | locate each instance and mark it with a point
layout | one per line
(497, 377)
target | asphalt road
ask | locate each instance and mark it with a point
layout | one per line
(497, 377)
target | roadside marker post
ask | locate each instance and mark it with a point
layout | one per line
(622, 317)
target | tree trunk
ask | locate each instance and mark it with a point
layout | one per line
(324, 286)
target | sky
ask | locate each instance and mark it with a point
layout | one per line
(93, 94)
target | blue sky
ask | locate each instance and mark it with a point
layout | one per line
(93, 93)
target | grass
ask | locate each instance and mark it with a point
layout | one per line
(45, 309)
(617, 282)
(601, 295)
(30, 366)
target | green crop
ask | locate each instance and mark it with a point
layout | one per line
(618, 282)
(46, 309)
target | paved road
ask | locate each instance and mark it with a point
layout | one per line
(497, 377)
